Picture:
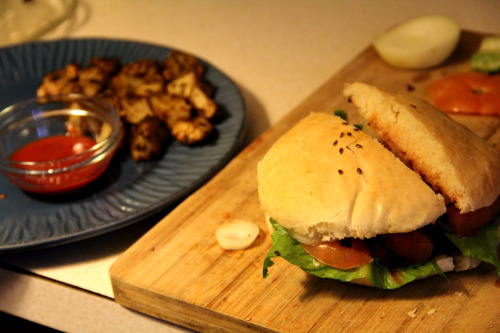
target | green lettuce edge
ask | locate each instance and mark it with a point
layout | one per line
(288, 248)
(483, 245)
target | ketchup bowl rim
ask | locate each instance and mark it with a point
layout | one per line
(88, 107)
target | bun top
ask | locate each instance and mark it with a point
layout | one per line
(325, 179)
(448, 156)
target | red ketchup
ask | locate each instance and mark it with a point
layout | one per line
(57, 148)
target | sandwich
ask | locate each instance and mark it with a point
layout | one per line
(409, 195)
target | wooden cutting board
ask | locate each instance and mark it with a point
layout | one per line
(178, 272)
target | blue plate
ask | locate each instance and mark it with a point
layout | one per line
(128, 191)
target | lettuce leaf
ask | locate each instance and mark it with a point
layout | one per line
(341, 113)
(288, 248)
(483, 245)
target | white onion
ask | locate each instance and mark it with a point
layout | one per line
(237, 234)
(421, 42)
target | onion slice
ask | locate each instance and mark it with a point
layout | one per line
(421, 42)
(237, 234)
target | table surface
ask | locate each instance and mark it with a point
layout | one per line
(277, 52)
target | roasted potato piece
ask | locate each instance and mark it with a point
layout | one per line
(179, 63)
(202, 102)
(92, 74)
(190, 87)
(183, 85)
(135, 109)
(125, 85)
(191, 131)
(110, 96)
(147, 140)
(170, 108)
(92, 80)
(142, 78)
(89, 80)
(60, 82)
(110, 66)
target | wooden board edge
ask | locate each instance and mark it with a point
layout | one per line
(179, 312)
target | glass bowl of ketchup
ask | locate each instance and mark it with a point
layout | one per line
(58, 144)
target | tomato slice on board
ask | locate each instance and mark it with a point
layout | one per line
(468, 223)
(345, 254)
(467, 92)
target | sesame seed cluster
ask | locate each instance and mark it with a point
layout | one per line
(343, 134)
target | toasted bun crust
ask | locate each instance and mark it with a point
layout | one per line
(325, 179)
(450, 157)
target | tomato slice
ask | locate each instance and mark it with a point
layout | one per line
(468, 223)
(415, 245)
(467, 92)
(345, 254)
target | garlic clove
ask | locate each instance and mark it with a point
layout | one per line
(237, 234)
